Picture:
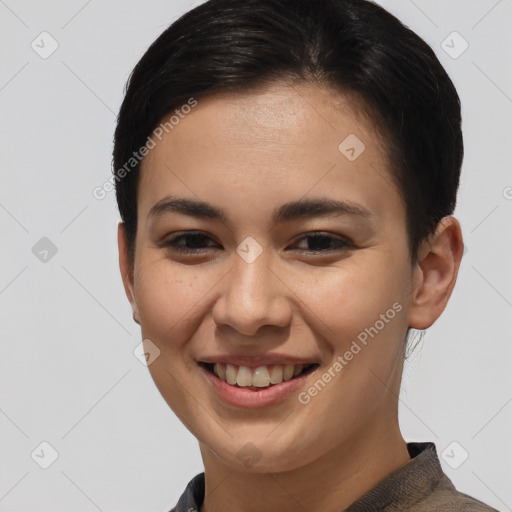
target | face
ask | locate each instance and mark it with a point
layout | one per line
(264, 245)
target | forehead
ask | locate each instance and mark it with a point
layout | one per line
(273, 144)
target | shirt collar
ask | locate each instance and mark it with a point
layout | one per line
(407, 485)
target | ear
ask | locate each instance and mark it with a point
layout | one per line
(126, 269)
(435, 273)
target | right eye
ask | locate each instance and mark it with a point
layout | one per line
(190, 242)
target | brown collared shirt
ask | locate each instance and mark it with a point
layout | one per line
(419, 485)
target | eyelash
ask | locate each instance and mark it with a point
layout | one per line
(173, 243)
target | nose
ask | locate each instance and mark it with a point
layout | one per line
(252, 296)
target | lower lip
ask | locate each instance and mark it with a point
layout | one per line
(251, 398)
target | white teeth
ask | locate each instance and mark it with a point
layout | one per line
(231, 373)
(261, 377)
(276, 374)
(288, 372)
(221, 373)
(244, 377)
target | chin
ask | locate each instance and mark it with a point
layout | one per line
(265, 456)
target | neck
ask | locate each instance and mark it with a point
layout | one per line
(329, 484)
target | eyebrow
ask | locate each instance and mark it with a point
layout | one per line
(303, 208)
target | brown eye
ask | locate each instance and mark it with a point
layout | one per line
(321, 243)
(191, 242)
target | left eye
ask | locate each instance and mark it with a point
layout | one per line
(319, 242)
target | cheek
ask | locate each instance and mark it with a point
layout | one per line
(170, 298)
(352, 298)
(360, 312)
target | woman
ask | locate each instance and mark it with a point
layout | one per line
(286, 171)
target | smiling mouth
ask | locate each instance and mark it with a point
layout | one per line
(261, 377)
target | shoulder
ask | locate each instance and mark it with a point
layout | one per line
(419, 485)
(446, 498)
(193, 496)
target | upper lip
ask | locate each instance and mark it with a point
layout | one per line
(261, 360)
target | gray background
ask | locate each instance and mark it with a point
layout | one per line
(68, 375)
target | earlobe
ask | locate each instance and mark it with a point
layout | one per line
(435, 273)
(126, 269)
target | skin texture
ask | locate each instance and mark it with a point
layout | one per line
(248, 154)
